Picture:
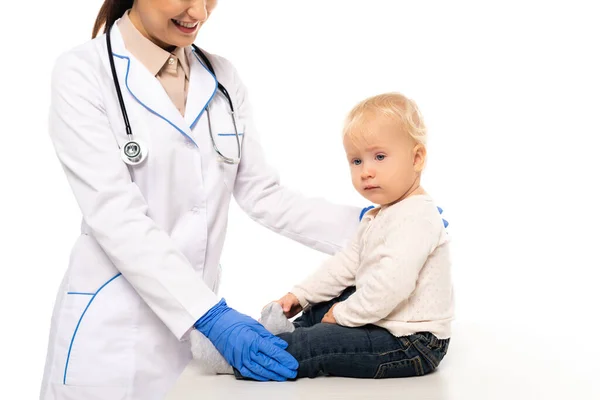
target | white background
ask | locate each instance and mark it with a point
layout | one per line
(510, 92)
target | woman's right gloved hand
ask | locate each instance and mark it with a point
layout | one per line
(247, 345)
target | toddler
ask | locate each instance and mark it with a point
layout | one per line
(382, 307)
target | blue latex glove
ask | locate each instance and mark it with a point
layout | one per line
(364, 210)
(247, 345)
(445, 222)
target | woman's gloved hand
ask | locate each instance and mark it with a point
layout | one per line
(247, 345)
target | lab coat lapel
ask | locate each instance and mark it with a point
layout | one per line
(138, 82)
(201, 89)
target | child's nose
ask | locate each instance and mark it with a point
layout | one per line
(367, 172)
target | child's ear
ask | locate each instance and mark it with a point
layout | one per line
(419, 156)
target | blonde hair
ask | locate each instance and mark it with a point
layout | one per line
(392, 105)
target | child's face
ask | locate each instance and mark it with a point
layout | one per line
(385, 163)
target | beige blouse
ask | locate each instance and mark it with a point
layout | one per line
(171, 69)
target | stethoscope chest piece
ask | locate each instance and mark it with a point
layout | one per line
(134, 152)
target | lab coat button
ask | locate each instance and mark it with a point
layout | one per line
(195, 210)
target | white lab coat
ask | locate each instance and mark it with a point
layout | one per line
(146, 265)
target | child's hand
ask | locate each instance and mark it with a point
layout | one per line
(329, 318)
(290, 304)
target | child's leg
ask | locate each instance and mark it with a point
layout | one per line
(212, 362)
(365, 352)
(315, 314)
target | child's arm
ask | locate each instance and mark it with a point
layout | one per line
(334, 275)
(402, 254)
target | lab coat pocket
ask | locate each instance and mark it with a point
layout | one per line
(98, 330)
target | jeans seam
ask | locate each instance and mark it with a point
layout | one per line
(406, 342)
(354, 353)
(415, 361)
(390, 352)
(317, 357)
(424, 352)
(420, 369)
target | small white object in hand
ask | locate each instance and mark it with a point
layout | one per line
(273, 318)
(209, 358)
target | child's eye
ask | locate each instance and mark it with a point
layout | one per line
(380, 157)
(356, 161)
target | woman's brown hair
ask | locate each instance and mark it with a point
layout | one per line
(110, 11)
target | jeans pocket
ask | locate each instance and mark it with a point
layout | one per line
(400, 369)
(433, 351)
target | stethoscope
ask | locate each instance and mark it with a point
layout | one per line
(134, 152)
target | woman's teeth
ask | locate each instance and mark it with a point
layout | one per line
(189, 25)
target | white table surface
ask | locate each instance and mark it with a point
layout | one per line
(481, 364)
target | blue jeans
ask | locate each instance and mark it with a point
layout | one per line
(364, 352)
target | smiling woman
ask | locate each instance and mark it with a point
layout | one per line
(145, 269)
(165, 23)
